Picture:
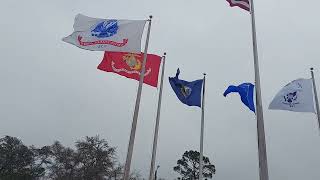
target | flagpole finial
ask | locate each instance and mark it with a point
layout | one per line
(311, 68)
(204, 74)
(150, 17)
(164, 53)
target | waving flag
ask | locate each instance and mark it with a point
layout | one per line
(106, 34)
(188, 93)
(130, 64)
(243, 4)
(296, 96)
(245, 91)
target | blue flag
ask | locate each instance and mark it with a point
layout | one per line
(245, 91)
(189, 93)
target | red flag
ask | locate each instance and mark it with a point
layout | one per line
(130, 65)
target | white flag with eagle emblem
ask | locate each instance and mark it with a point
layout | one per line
(106, 34)
(296, 96)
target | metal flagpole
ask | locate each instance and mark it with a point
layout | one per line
(263, 164)
(136, 109)
(315, 96)
(202, 128)
(156, 129)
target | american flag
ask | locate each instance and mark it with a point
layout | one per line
(243, 4)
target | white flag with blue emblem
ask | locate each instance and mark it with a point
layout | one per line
(106, 34)
(296, 96)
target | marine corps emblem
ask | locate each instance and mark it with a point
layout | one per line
(133, 61)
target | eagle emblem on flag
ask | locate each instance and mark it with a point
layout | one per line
(291, 99)
(186, 91)
(105, 29)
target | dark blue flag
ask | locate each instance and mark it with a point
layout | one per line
(245, 91)
(188, 93)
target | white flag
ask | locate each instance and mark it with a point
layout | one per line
(106, 34)
(296, 96)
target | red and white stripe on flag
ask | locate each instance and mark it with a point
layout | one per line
(243, 4)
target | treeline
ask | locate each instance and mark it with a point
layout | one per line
(91, 159)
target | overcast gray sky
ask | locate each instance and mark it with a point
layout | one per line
(51, 90)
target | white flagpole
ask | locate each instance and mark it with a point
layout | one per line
(202, 128)
(315, 96)
(136, 109)
(263, 164)
(156, 129)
